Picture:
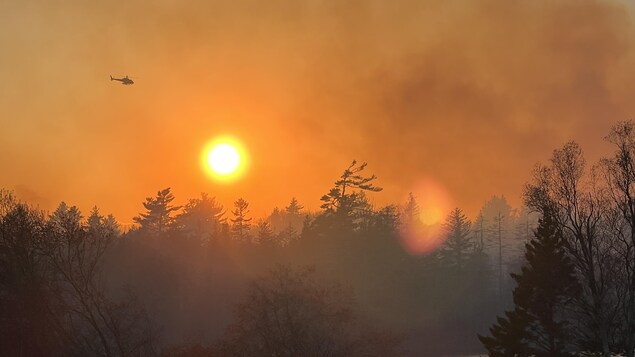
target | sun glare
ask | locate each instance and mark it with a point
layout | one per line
(224, 159)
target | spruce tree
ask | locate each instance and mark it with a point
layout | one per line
(264, 235)
(241, 224)
(508, 335)
(293, 217)
(458, 246)
(410, 215)
(545, 288)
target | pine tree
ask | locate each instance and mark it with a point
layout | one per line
(100, 226)
(479, 236)
(277, 220)
(410, 215)
(294, 207)
(346, 207)
(240, 223)
(202, 218)
(344, 198)
(545, 287)
(157, 218)
(496, 232)
(508, 335)
(458, 246)
(293, 216)
(264, 234)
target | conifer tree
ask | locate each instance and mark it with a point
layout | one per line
(508, 335)
(240, 223)
(98, 225)
(201, 218)
(458, 246)
(157, 218)
(410, 215)
(347, 195)
(264, 234)
(293, 217)
(346, 206)
(294, 207)
(545, 287)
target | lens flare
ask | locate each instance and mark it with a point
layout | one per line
(425, 233)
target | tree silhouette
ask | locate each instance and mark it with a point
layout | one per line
(294, 208)
(287, 223)
(479, 231)
(546, 287)
(496, 230)
(619, 173)
(202, 218)
(345, 206)
(241, 223)
(158, 216)
(344, 198)
(264, 234)
(99, 225)
(508, 335)
(7, 202)
(289, 313)
(458, 246)
(410, 217)
(293, 213)
(75, 253)
(564, 190)
(31, 311)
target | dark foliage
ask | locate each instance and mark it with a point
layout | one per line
(288, 313)
(546, 288)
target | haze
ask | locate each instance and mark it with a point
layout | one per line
(468, 95)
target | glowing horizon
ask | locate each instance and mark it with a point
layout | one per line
(306, 89)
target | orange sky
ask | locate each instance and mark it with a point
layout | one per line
(465, 94)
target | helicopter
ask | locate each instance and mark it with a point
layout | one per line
(125, 80)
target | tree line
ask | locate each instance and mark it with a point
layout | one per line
(203, 280)
(576, 290)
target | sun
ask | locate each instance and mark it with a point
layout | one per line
(223, 159)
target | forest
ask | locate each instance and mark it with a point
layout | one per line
(555, 277)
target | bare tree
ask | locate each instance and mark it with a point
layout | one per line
(288, 313)
(619, 174)
(75, 252)
(31, 314)
(565, 188)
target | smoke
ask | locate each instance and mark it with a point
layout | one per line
(470, 94)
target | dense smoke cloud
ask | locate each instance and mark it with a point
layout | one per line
(468, 94)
